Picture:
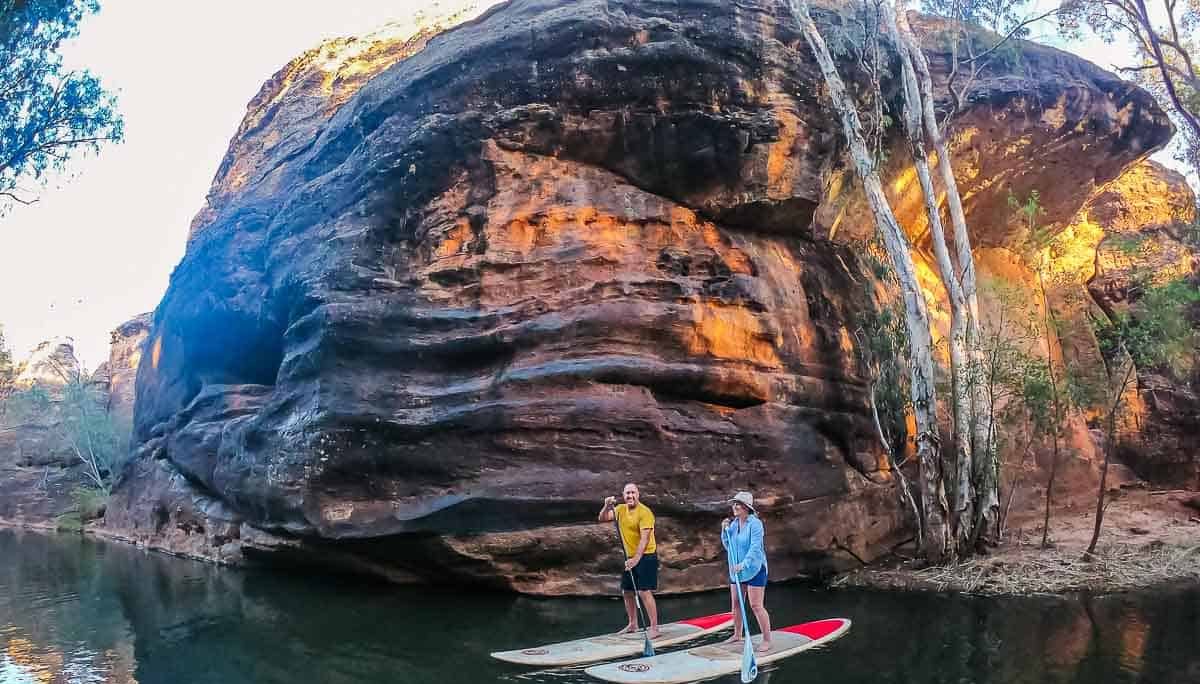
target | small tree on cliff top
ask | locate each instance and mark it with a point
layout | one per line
(47, 113)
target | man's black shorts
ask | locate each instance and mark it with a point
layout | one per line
(645, 574)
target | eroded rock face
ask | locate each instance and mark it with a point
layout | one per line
(561, 247)
(125, 354)
(1146, 219)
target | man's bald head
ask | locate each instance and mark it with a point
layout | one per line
(631, 494)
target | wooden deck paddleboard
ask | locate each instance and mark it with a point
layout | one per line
(610, 646)
(705, 662)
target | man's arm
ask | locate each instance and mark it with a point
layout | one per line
(606, 512)
(642, 544)
(641, 549)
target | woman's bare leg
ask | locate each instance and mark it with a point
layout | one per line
(737, 616)
(756, 596)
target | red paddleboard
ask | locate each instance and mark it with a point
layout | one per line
(610, 646)
(705, 662)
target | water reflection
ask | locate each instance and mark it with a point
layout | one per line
(79, 611)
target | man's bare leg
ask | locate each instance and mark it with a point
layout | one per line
(630, 612)
(651, 612)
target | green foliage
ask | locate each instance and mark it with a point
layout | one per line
(883, 342)
(89, 502)
(1129, 245)
(47, 113)
(1000, 16)
(69, 522)
(1028, 212)
(883, 347)
(27, 405)
(7, 371)
(1156, 331)
(77, 412)
(1016, 375)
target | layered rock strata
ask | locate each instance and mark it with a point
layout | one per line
(431, 315)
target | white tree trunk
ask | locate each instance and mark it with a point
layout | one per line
(986, 464)
(924, 400)
(962, 517)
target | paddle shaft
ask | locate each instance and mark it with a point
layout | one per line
(632, 580)
(749, 664)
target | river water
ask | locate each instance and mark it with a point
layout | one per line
(79, 611)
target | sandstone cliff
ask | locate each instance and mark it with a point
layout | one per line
(433, 313)
(36, 463)
(39, 469)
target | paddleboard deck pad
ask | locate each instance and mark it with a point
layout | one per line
(610, 646)
(706, 662)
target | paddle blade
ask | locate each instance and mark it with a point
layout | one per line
(749, 665)
(647, 647)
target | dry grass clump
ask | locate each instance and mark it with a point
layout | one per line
(1038, 571)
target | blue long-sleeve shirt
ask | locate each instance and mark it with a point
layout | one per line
(745, 545)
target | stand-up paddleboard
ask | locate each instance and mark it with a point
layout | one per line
(705, 662)
(609, 646)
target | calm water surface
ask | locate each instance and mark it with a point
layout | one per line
(79, 611)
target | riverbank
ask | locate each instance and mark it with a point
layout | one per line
(1149, 539)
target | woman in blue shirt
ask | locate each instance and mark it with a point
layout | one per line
(742, 537)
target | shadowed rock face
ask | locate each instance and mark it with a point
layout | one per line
(561, 247)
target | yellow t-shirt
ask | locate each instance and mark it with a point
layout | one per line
(632, 523)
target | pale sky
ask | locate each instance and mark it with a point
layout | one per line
(98, 248)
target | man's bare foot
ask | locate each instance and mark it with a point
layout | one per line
(654, 634)
(764, 647)
(732, 640)
(629, 629)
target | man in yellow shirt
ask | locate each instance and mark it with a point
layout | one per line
(636, 523)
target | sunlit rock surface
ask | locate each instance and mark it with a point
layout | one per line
(1143, 231)
(434, 311)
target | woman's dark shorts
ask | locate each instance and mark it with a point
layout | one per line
(645, 574)
(759, 580)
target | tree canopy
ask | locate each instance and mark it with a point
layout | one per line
(47, 113)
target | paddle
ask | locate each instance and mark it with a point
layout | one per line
(647, 647)
(749, 664)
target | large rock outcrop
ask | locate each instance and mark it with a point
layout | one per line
(430, 316)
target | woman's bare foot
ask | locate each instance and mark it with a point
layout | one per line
(763, 647)
(629, 629)
(654, 634)
(733, 640)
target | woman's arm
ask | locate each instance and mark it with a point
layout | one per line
(757, 555)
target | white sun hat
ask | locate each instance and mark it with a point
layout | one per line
(744, 498)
